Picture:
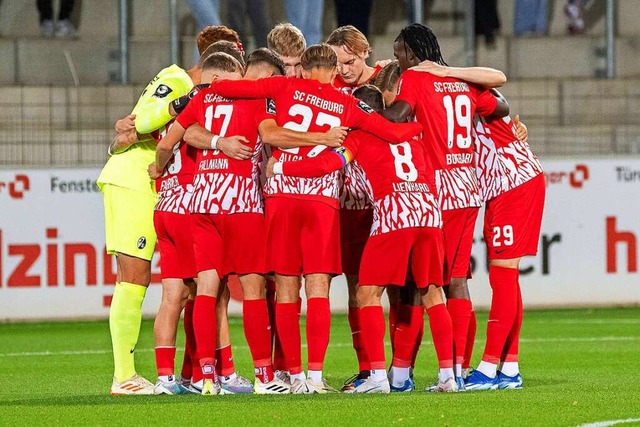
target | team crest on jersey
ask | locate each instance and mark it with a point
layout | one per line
(365, 107)
(142, 242)
(162, 91)
(271, 106)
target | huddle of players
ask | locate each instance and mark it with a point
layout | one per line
(402, 200)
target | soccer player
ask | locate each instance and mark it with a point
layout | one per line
(302, 216)
(356, 212)
(288, 42)
(445, 107)
(129, 201)
(406, 230)
(512, 184)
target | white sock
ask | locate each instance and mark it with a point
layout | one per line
(444, 374)
(167, 378)
(316, 376)
(229, 378)
(399, 376)
(378, 375)
(489, 369)
(299, 376)
(510, 369)
(458, 367)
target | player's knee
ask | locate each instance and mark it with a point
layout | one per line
(506, 263)
(369, 296)
(432, 296)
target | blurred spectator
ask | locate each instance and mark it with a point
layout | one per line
(573, 10)
(63, 27)
(354, 12)
(206, 12)
(530, 17)
(487, 20)
(426, 7)
(258, 11)
(306, 15)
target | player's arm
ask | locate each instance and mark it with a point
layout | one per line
(280, 137)
(164, 149)
(483, 76)
(126, 135)
(178, 105)
(311, 167)
(398, 112)
(250, 89)
(492, 104)
(233, 146)
(153, 112)
(360, 115)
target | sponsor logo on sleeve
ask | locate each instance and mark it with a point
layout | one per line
(271, 106)
(365, 107)
(162, 91)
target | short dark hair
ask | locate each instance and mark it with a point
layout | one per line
(225, 47)
(223, 61)
(265, 56)
(319, 55)
(370, 95)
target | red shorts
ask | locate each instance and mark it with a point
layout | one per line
(387, 257)
(513, 219)
(230, 243)
(175, 240)
(457, 228)
(355, 226)
(303, 237)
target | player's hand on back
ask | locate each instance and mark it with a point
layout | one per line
(269, 172)
(431, 67)
(154, 173)
(126, 124)
(334, 137)
(521, 130)
(235, 147)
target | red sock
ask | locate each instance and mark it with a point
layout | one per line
(190, 341)
(356, 336)
(224, 361)
(165, 359)
(418, 343)
(204, 327)
(504, 307)
(510, 353)
(288, 324)
(441, 331)
(471, 338)
(278, 355)
(407, 331)
(318, 329)
(372, 328)
(256, 330)
(460, 312)
(393, 320)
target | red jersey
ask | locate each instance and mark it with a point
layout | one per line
(503, 162)
(395, 176)
(175, 187)
(223, 185)
(445, 107)
(352, 193)
(310, 106)
(345, 87)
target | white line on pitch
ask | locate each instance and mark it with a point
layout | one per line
(610, 423)
(338, 344)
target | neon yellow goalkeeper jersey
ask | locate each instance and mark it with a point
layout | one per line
(129, 169)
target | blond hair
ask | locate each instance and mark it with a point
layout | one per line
(319, 55)
(286, 40)
(351, 39)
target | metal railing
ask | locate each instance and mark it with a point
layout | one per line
(65, 126)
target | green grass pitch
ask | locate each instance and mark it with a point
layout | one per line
(579, 366)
